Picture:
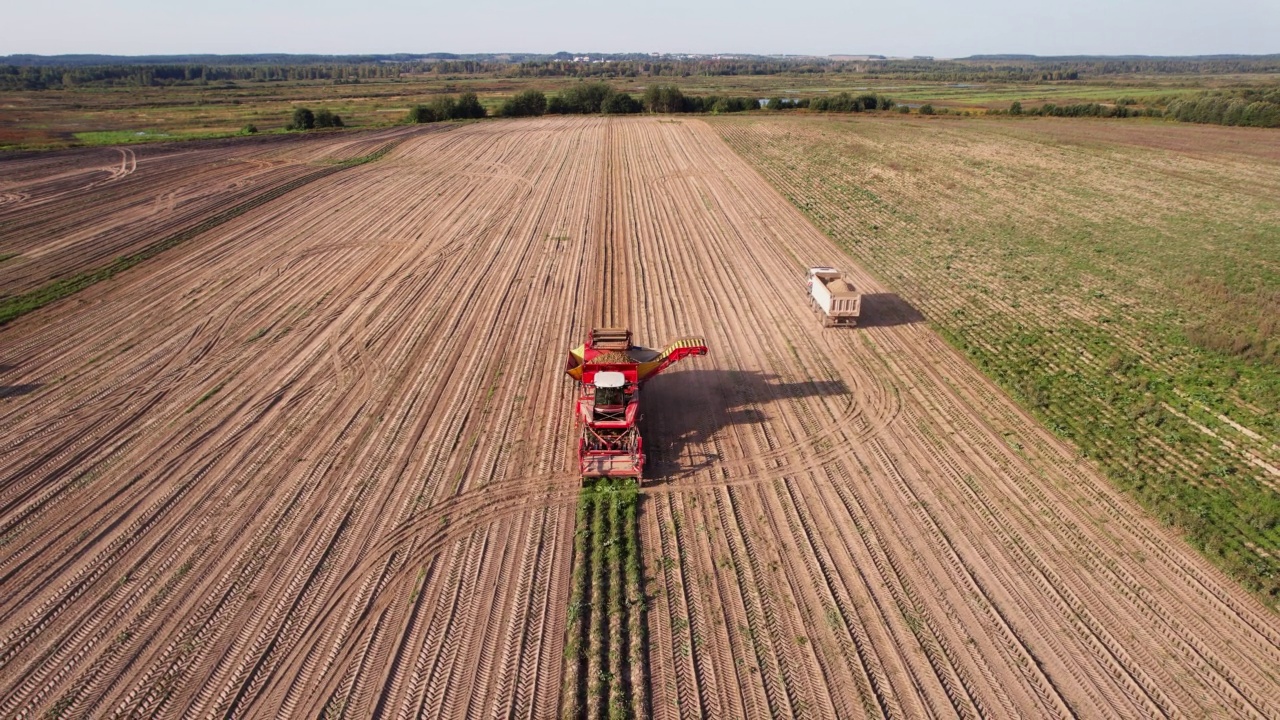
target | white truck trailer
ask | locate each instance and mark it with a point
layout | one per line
(835, 299)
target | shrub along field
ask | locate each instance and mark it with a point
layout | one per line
(1122, 282)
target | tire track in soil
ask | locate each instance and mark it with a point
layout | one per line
(945, 628)
(322, 458)
(246, 638)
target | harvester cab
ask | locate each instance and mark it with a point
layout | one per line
(611, 370)
(610, 401)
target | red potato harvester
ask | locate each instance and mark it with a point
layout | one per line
(612, 371)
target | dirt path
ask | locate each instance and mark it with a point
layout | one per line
(321, 458)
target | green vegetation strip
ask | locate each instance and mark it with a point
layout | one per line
(606, 670)
(14, 307)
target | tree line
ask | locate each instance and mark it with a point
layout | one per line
(600, 98)
(1097, 110)
(1249, 107)
(13, 77)
(668, 68)
(845, 102)
(38, 73)
(584, 99)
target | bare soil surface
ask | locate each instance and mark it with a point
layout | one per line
(319, 459)
(64, 212)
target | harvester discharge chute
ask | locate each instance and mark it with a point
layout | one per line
(611, 370)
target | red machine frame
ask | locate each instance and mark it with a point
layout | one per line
(612, 371)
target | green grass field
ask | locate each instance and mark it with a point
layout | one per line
(1121, 280)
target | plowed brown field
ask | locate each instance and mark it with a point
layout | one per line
(318, 459)
(64, 213)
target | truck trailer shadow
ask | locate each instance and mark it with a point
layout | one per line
(683, 410)
(11, 391)
(887, 310)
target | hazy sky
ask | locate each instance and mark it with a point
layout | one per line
(819, 27)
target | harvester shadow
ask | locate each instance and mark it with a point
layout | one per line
(10, 391)
(684, 410)
(887, 310)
